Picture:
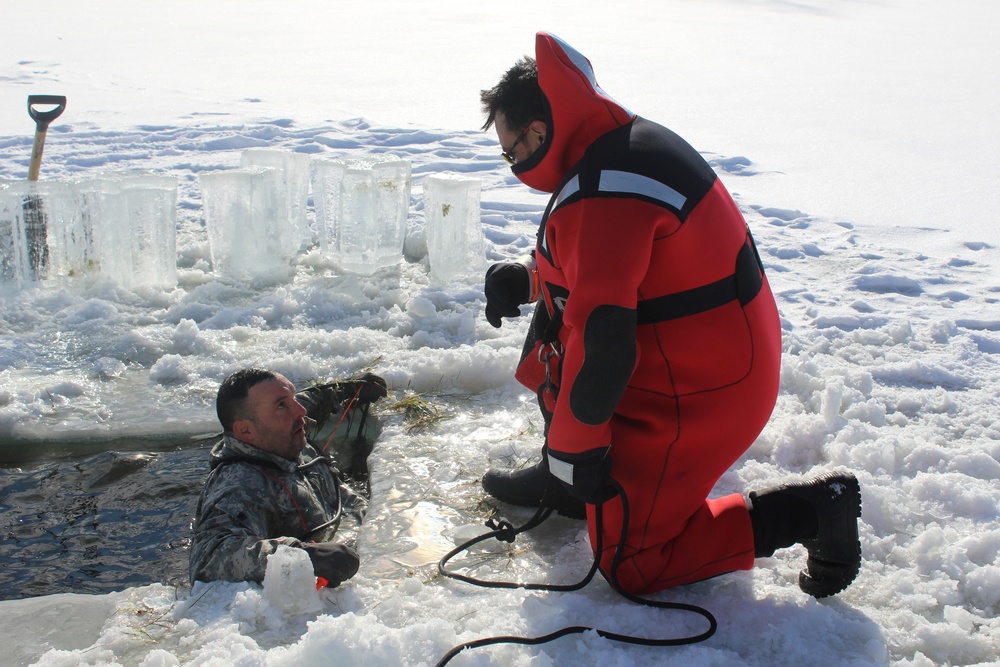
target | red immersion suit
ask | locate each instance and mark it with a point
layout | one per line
(668, 337)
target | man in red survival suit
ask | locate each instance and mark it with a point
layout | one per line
(655, 345)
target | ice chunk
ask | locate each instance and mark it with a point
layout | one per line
(61, 622)
(291, 182)
(121, 224)
(15, 265)
(42, 234)
(150, 202)
(127, 222)
(248, 236)
(327, 178)
(59, 241)
(104, 213)
(361, 211)
(289, 582)
(455, 243)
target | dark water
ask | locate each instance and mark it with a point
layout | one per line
(101, 521)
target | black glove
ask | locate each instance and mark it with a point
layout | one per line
(334, 562)
(507, 286)
(586, 476)
(323, 400)
(368, 388)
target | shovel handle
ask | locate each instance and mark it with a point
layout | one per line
(42, 120)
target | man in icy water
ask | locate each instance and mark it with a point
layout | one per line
(269, 485)
(655, 345)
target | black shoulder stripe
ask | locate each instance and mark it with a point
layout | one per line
(642, 160)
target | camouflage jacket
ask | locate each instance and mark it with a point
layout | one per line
(254, 501)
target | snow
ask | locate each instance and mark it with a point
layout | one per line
(860, 140)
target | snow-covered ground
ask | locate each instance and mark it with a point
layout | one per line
(860, 140)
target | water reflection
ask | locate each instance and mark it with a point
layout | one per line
(98, 523)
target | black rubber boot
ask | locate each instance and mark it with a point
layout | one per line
(822, 515)
(528, 487)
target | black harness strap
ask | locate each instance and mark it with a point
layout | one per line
(743, 285)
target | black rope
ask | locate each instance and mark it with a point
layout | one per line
(526, 641)
(336, 516)
(676, 606)
(505, 532)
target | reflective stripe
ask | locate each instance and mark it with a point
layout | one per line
(624, 181)
(561, 470)
(581, 63)
(571, 188)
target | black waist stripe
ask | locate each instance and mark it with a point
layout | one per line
(743, 285)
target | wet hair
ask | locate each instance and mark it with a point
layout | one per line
(231, 402)
(517, 95)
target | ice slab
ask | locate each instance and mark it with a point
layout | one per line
(67, 621)
(248, 232)
(289, 582)
(455, 243)
(361, 211)
(291, 182)
(121, 225)
(20, 244)
(150, 202)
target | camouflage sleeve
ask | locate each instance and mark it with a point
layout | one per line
(236, 512)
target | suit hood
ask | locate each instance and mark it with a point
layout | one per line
(578, 111)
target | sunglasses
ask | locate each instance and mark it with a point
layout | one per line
(508, 154)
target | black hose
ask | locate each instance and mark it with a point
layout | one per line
(505, 532)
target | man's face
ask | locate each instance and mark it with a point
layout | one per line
(518, 145)
(278, 424)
